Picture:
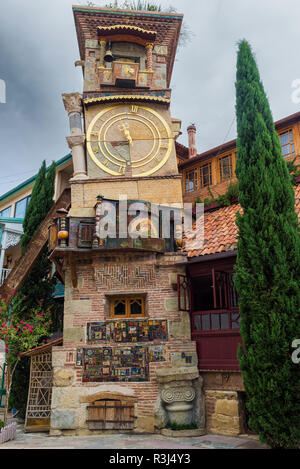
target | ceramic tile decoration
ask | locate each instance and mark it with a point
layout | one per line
(127, 331)
(118, 363)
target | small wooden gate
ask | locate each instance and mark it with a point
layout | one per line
(40, 387)
(110, 411)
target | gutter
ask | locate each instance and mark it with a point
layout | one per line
(29, 181)
(212, 257)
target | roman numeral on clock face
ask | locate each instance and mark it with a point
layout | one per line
(134, 109)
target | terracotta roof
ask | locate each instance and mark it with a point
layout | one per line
(181, 151)
(220, 230)
(43, 347)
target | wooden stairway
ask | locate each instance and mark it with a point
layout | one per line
(24, 265)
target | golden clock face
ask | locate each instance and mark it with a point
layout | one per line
(129, 140)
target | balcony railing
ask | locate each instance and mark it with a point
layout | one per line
(217, 334)
(3, 275)
(145, 232)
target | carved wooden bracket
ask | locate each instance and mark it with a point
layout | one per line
(59, 268)
(72, 263)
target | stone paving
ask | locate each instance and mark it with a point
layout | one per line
(125, 441)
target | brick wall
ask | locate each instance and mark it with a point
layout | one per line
(99, 277)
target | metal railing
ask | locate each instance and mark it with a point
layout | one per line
(3, 275)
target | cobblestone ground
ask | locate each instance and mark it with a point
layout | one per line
(125, 441)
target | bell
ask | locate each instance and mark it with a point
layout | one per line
(108, 55)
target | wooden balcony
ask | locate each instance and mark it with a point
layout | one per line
(217, 334)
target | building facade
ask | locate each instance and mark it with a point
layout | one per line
(151, 325)
(127, 360)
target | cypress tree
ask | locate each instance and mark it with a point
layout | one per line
(268, 265)
(37, 285)
(40, 203)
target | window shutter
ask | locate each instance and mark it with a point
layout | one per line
(52, 237)
(85, 235)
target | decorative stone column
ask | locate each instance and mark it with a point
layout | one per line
(73, 106)
(179, 404)
(102, 43)
(149, 48)
(181, 397)
(76, 144)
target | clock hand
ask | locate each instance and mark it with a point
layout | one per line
(126, 133)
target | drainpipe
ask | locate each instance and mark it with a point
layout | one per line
(2, 250)
(2, 389)
(1, 233)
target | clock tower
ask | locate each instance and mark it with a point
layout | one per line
(127, 143)
(127, 360)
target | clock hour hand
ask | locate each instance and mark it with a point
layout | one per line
(127, 135)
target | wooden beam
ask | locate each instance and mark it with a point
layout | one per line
(24, 265)
(107, 395)
(72, 262)
(59, 268)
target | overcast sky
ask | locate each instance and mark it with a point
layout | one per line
(39, 47)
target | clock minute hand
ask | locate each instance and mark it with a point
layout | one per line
(126, 133)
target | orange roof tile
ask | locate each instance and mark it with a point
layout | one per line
(220, 230)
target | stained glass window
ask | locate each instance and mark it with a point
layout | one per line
(127, 306)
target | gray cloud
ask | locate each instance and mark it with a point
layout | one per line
(38, 49)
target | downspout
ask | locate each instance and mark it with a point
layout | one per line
(2, 390)
(1, 233)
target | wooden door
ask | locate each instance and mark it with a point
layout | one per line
(111, 414)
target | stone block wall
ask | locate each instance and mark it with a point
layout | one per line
(223, 415)
(84, 195)
(99, 277)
